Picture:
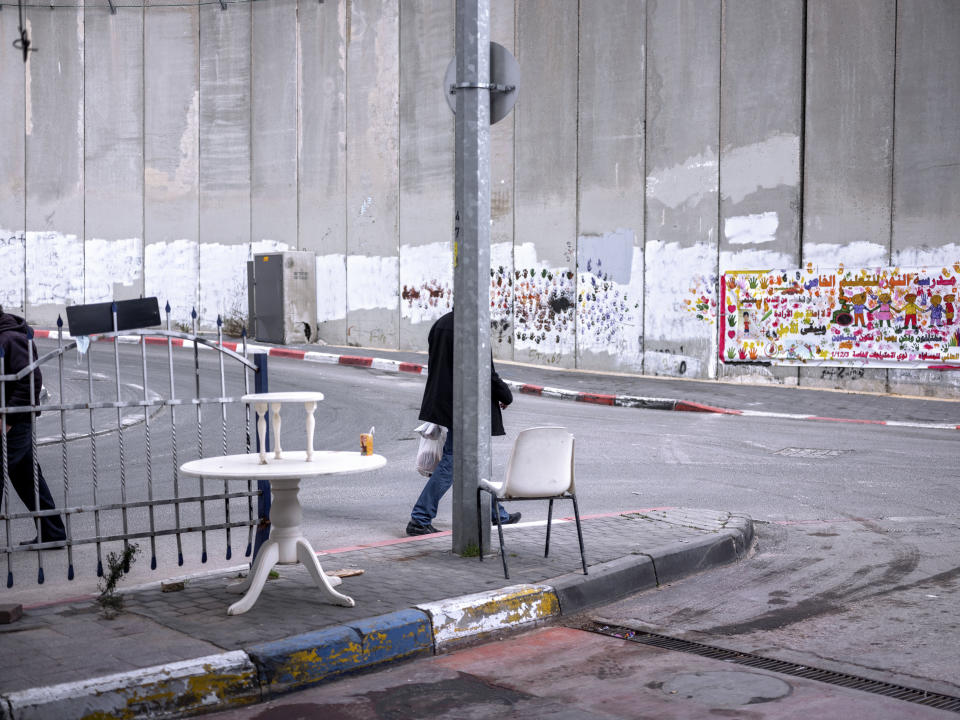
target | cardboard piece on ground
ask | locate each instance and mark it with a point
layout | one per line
(344, 572)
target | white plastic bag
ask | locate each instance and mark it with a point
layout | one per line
(432, 438)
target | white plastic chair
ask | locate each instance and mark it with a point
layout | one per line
(540, 468)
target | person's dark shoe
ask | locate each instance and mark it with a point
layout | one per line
(512, 520)
(414, 528)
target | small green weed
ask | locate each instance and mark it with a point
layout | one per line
(118, 565)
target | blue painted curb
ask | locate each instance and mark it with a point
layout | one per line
(303, 660)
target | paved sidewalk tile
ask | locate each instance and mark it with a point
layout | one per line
(72, 641)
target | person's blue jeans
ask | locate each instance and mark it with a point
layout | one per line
(426, 508)
(20, 465)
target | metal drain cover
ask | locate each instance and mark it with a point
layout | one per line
(811, 452)
(727, 689)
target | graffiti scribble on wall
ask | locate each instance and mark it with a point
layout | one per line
(434, 295)
(543, 306)
(703, 298)
(884, 317)
(603, 304)
(501, 304)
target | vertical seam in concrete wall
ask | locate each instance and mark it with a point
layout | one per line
(250, 237)
(893, 147)
(347, 12)
(196, 298)
(893, 127)
(83, 159)
(299, 138)
(143, 149)
(397, 235)
(803, 137)
(199, 162)
(715, 361)
(579, 182)
(26, 280)
(643, 212)
(513, 191)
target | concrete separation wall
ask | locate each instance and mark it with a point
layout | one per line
(261, 671)
(654, 144)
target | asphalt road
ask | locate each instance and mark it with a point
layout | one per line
(855, 566)
(565, 674)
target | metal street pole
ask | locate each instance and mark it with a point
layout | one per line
(471, 276)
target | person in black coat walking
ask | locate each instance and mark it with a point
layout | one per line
(15, 347)
(437, 407)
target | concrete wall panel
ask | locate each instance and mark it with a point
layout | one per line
(224, 136)
(373, 84)
(761, 124)
(323, 166)
(113, 151)
(546, 184)
(427, 162)
(848, 148)
(611, 188)
(12, 181)
(926, 181)
(54, 163)
(683, 92)
(849, 131)
(273, 130)
(503, 31)
(171, 156)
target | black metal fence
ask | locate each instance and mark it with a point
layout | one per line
(108, 437)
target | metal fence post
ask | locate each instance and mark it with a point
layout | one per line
(261, 384)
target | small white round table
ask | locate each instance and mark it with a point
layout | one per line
(287, 544)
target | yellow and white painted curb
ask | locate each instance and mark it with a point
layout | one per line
(472, 617)
(174, 690)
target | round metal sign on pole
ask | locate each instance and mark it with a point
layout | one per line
(504, 83)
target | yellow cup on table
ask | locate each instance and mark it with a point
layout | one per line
(366, 443)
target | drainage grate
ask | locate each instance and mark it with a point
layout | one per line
(811, 452)
(900, 692)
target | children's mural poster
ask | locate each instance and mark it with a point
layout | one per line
(882, 317)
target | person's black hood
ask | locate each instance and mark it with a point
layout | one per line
(10, 322)
(16, 356)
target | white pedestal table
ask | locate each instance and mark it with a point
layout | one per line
(287, 543)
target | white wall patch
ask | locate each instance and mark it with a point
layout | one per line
(685, 183)
(767, 164)
(54, 268)
(374, 282)
(331, 287)
(751, 229)
(109, 263)
(170, 271)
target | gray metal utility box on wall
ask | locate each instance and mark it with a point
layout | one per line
(282, 293)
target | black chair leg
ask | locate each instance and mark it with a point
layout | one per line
(576, 514)
(479, 527)
(503, 553)
(546, 549)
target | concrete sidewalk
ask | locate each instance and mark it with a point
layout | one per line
(178, 653)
